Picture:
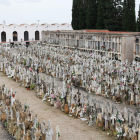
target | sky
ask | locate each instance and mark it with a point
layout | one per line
(47, 11)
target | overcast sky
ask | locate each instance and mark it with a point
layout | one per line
(29, 11)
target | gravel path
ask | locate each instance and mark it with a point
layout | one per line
(71, 128)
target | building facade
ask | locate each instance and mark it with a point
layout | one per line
(115, 45)
(24, 33)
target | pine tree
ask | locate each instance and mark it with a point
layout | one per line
(75, 15)
(100, 14)
(138, 21)
(91, 14)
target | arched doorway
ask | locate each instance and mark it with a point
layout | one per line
(14, 36)
(3, 37)
(36, 35)
(26, 36)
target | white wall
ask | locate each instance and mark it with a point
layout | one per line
(20, 29)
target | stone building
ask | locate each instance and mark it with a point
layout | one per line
(112, 44)
(24, 33)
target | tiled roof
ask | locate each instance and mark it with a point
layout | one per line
(63, 23)
(54, 23)
(22, 24)
(33, 24)
(10, 24)
(104, 31)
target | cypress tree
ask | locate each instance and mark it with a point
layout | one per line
(82, 14)
(118, 15)
(91, 14)
(138, 21)
(125, 15)
(109, 15)
(85, 12)
(100, 14)
(129, 19)
(113, 15)
(132, 17)
(75, 15)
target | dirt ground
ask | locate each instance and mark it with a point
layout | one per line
(3, 133)
(71, 128)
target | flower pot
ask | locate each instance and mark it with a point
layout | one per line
(28, 88)
(58, 104)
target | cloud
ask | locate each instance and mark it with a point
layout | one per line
(5, 2)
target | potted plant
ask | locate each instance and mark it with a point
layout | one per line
(24, 62)
(32, 86)
(53, 98)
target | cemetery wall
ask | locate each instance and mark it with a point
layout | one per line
(136, 53)
(118, 45)
(129, 48)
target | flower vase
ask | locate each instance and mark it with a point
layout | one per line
(66, 109)
(13, 95)
(55, 104)
(52, 102)
(7, 101)
(68, 90)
